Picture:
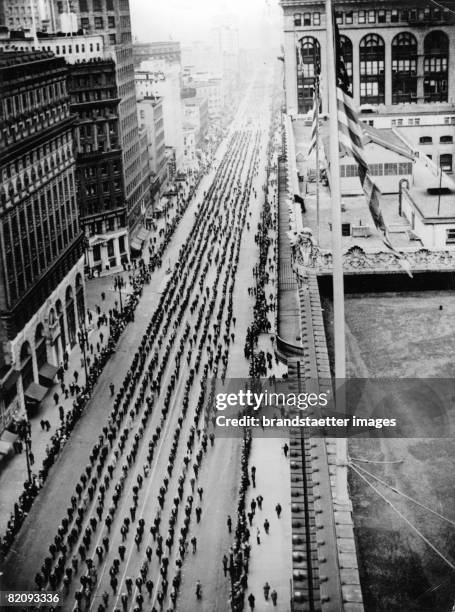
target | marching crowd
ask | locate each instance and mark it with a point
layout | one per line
(85, 534)
(193, 326)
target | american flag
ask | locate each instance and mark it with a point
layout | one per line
(350, 134)
(314, 122)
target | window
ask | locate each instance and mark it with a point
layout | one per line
(450, 236)
(446, 139)
(308, 54)
(316, 18)
(394, 16)
(339, 18)
(83, 6)
(307, 19)
(403, 15)
(109, 5)
(435, 66)
(112, 39)
(98, 6)
(111, 22)
(99, 23)
(404, 68)
(445, 162)
(362, 17)
(405, 168)
(372, 81)
(345, 229)
(371, 16)
(348, 17)
(85, 23)
(381, 16)
(297, 19)
(425, 140)
(376, 169)
(390, 169)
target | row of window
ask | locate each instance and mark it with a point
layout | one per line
(372, 68)
(98, 6)
(388, 169)
(442, 140)
(376, 16)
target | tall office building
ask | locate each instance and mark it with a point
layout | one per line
(168, 50)
(400, 58)
(23, 14)
(41, 260)
(111, 19)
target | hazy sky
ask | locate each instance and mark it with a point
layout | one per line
(258, 21)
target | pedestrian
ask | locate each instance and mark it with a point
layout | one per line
(278, 510)
(56, 398)
(225, 564)
(229, 523)
(258, 536)
(112, 388)
(274, 597)
(266, 591)
(266, 526)
(285, 449)
(251, 600)
(194, 543)
(259, 500)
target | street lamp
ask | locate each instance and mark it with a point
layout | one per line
(118, 284)
(25, 436)
(82, 343)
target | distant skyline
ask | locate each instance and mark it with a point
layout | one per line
(258, 21)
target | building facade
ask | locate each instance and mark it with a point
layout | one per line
(111, 19)
(162, 79)
(22, 14)
(151, 119)
(41, 259)
(101, 192)
(196, 113)
(168, 50)
(400, 58)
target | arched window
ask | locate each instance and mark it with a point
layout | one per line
(372, 78)
(308, 66)
(40, 346)
(445, 162)
(346, 52)
(435, 67)
(70, 315)
(404, 68)
(26, 365)
(80, 301)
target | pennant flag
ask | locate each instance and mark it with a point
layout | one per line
(350, 133)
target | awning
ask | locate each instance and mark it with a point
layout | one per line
(47, 371)
(6, 442)
(136, 244)
(10, 379)
(35, 392)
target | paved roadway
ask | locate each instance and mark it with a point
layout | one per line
(237, 156)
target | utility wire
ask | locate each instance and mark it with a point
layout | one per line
(407, 521)
(395, 490)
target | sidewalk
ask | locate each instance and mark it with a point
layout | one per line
(13, 470)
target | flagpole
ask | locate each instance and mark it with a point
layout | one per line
(337, 257)
(317, 157)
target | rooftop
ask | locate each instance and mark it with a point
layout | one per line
(355, 208)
